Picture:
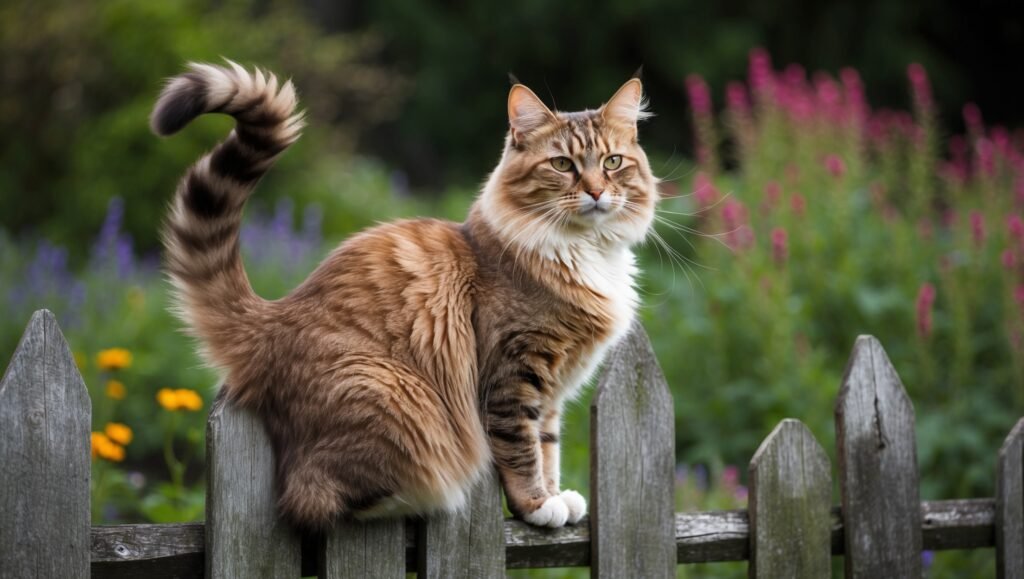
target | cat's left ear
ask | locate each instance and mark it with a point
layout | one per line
(627, 106)
(526, 112)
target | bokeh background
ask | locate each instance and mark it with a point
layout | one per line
(830, 169)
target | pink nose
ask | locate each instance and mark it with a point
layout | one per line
(595, 194)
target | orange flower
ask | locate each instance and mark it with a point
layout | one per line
(119, 433)
(103, 447)
(114, 359)
(180, 399)
(167, 398)
(115, 389)
(189, 400)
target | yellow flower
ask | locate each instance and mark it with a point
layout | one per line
(167, 398)
(114, 359)
(115, 389)
(119, 433)
(103, 447)
(189, 399)
(180, 399)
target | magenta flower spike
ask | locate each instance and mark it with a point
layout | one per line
(925, 301)
(921, 88)
(780, 246)
(977, 228)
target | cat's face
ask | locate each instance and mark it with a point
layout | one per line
(570, 176)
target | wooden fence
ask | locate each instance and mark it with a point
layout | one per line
(790, 530)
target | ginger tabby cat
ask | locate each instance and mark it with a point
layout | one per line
(422, 351)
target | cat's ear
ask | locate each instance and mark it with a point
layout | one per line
(628, 105)
(526, 112)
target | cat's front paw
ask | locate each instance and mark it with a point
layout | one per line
(576, 504)
(553, 513)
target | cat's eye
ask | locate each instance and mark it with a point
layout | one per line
(563, 164)
(612, 163)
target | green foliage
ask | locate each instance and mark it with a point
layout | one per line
(80, 79)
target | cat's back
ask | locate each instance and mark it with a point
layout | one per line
(403, 289)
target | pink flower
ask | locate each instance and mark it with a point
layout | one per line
(772, 193)
(738, 234)
(762, 79)
(1008, 259)
(1015, 227)
(972, 118)
(704, 191)
(856, 103)
(925, 301)
(797, 204)
(828, 96)
(730, 477)
(920, 87)
(985, 151)
(977, 228)
(736, 98)
(700, 97)
(835, 165)
(780, 246)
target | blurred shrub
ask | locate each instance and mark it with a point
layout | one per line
(80, 77)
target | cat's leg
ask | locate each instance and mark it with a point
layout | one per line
(550, 428)
(513, 428)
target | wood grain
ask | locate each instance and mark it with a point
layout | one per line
(244, 536)
(1010, 505)
(45, 417)
(354, 550)
(878, 468)
(632, 450)
(790, 503)
(468, 544)
(700, 537)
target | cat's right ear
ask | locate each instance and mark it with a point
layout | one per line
(526, 113)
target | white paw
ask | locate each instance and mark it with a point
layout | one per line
(553, 513)
(577, 505)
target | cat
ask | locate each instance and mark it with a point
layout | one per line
(422, 351)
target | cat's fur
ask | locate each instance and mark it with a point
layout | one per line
(419, 351)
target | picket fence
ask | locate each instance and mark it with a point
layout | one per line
(791, 528)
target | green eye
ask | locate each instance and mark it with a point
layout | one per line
(563, 164)
(612, 163)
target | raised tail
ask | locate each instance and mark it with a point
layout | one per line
(201, 233)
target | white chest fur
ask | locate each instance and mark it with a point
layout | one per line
(609, 273)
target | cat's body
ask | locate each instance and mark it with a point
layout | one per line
(419, 351)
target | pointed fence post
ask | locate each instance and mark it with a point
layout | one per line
(354, 550)
(45, 416)
(244, 536)
(632, 465)
(790, 505)
(878, 468)
(1010, 506)
(467, 544)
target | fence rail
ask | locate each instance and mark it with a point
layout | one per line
(790, 529)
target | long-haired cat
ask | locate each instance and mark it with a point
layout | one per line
(420, 351)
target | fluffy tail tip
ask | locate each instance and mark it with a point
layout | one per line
(183, 99)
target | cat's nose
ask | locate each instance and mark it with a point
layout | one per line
(595, 194)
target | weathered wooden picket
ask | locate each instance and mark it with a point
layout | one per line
(790, 530)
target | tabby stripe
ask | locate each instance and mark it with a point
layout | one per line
(548, 438)
(201, 200)
(510, 436)
(233, 160)
(200, 243)
(267, 144)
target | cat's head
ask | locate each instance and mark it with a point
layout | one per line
(570, 177)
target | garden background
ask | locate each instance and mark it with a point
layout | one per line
(830, 169)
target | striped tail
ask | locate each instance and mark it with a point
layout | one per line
(201, 233)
